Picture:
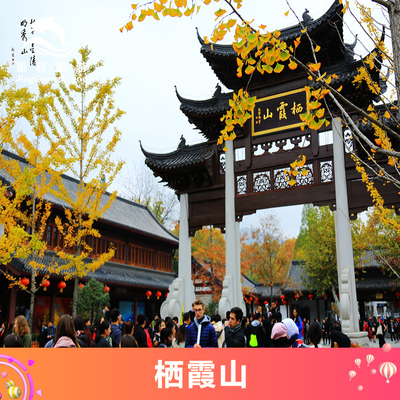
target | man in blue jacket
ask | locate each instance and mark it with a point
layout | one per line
(201, 333)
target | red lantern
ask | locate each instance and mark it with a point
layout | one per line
(46, 284)
(166, 295)
(81, 286)
(325, 296)
(24, 281)
(148, 294)
(284, 302)
(106, 289)
(296, 296)
(250, 299)
(283, 297)
(158, 294)
(310, 296)
(256, 301)
(397, 294)
(61, 285)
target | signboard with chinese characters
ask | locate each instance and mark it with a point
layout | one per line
(278, 112)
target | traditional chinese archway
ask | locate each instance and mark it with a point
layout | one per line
(263, 150)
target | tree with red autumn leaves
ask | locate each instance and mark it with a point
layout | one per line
(208, 248)
(267, 256)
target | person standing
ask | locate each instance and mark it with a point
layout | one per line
(324, 332)
(21, 328)
(3, 333)
(306, 326)
(65, 333)
(102, 334)
(297, 320)
(274, 316)
(234, 334)
(257, 336)
(201, 333)
(51, 330)
(380, 332)
(328, 326)
(139, 333)
(43, 335)
(391, 330)
(115, 331)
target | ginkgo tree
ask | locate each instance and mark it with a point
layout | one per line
(260, 51)
(28, 176)
(81, 116)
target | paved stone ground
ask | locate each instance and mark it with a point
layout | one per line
(372, 344)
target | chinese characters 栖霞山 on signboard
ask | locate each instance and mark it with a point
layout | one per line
(278, 112)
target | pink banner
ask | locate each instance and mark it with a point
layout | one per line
(195, 373)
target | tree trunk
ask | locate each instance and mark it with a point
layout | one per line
(394, 16)
(75, 296)
(32, 304)
(337, 302)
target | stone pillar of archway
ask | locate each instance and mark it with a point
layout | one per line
(181, 291)
(344, 246)
(232, 290)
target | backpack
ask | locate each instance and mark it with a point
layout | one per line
(253, 340)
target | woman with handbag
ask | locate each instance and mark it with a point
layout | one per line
(380, 332)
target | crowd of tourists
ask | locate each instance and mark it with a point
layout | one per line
(265, 328)
(378, 327)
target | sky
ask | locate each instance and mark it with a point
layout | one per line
(151, 59)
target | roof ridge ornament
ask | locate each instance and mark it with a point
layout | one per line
(182, 144)
(306, 17)
(349, 50)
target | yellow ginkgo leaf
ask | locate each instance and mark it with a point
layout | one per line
(220, 13)
(158, 7)
(287, 13)
(249, 70)
(278, 68)
(315, 67)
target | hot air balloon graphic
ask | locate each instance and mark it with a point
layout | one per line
(370, 358)
(387, 347)
(358, 362)
(387, 370)
(352, 374)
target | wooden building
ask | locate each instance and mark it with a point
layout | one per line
(142, 261)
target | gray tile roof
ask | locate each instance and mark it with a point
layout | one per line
(370, 281)
(185, 156)
(215, 105)
(111, 273)
(124, 213)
